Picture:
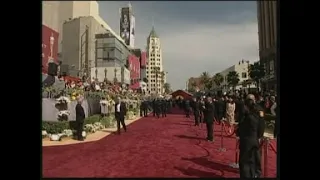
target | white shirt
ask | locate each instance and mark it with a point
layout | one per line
(118, 107)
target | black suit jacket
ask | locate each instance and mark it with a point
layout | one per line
(123, 110)
(209, 112)
(80, 115)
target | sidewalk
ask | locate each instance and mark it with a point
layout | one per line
(91, 137)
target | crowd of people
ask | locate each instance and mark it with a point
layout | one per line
(247, 110)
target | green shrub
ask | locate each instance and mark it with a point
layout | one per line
(108, 121)
(58, 126)
(55, 127)
(92, 119)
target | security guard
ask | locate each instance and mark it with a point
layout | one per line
(144, 108)
(187, 107)
(164, 108)
(195, 105)
(251, 129)
(157, 107)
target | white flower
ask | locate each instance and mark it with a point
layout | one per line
(67, 132)
(62, 99)
(44, 133)
(103, 102)
(64, 112)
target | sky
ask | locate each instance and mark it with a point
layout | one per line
(196, 36)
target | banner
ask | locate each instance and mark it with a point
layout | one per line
(125, 25)
(49, 47)
(132, 30)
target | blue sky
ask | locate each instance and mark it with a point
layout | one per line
(196, 36)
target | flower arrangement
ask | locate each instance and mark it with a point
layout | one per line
(67, 132)
(92, 128)
(104, 102)
(44, 134)
(62, 100)
(63, 115)
(130, 115)
(62, 105)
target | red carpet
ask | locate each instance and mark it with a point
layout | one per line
(167, 147)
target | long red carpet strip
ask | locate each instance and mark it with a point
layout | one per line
(165, 147)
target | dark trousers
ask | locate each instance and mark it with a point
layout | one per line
(187, 113)
(164, 113)
(157, 113)
(79, 130)
(249, 157)
(196, 119)
(257, 162)
(120, 119)
(145, 112)
(154, 111)
(141, 112)
(209, 126)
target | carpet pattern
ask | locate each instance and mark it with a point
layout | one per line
(165, 147)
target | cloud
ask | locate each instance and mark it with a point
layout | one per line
(191, 46)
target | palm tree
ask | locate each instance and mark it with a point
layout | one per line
(256, 73)
(206, 80)
(233, 79)
(167, 88)
(218, 79)
(156, 71)
(194, 84)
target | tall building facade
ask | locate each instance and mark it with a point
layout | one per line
(69, 10)
(242, 68)
(155, 72)
(267, 26)
(127, 25)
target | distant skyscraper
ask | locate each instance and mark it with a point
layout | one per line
(127, 25)
(155, 73)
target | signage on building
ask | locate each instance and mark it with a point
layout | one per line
(132, 29)
(127, 26)
(49, 47)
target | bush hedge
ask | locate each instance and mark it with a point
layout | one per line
(58, 127)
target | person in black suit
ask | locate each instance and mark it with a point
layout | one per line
(220, 106)
(164, 108)
(120, 110)
(195, 105)
(209, 113)
(80, 116)
(144, 108)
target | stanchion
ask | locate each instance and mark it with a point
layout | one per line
(235, 164)
(222, 148)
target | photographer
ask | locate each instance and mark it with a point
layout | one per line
(251, 129)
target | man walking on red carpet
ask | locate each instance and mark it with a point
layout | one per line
(208, 113)
(120, 113)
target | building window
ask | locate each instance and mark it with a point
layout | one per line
(244, 75)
